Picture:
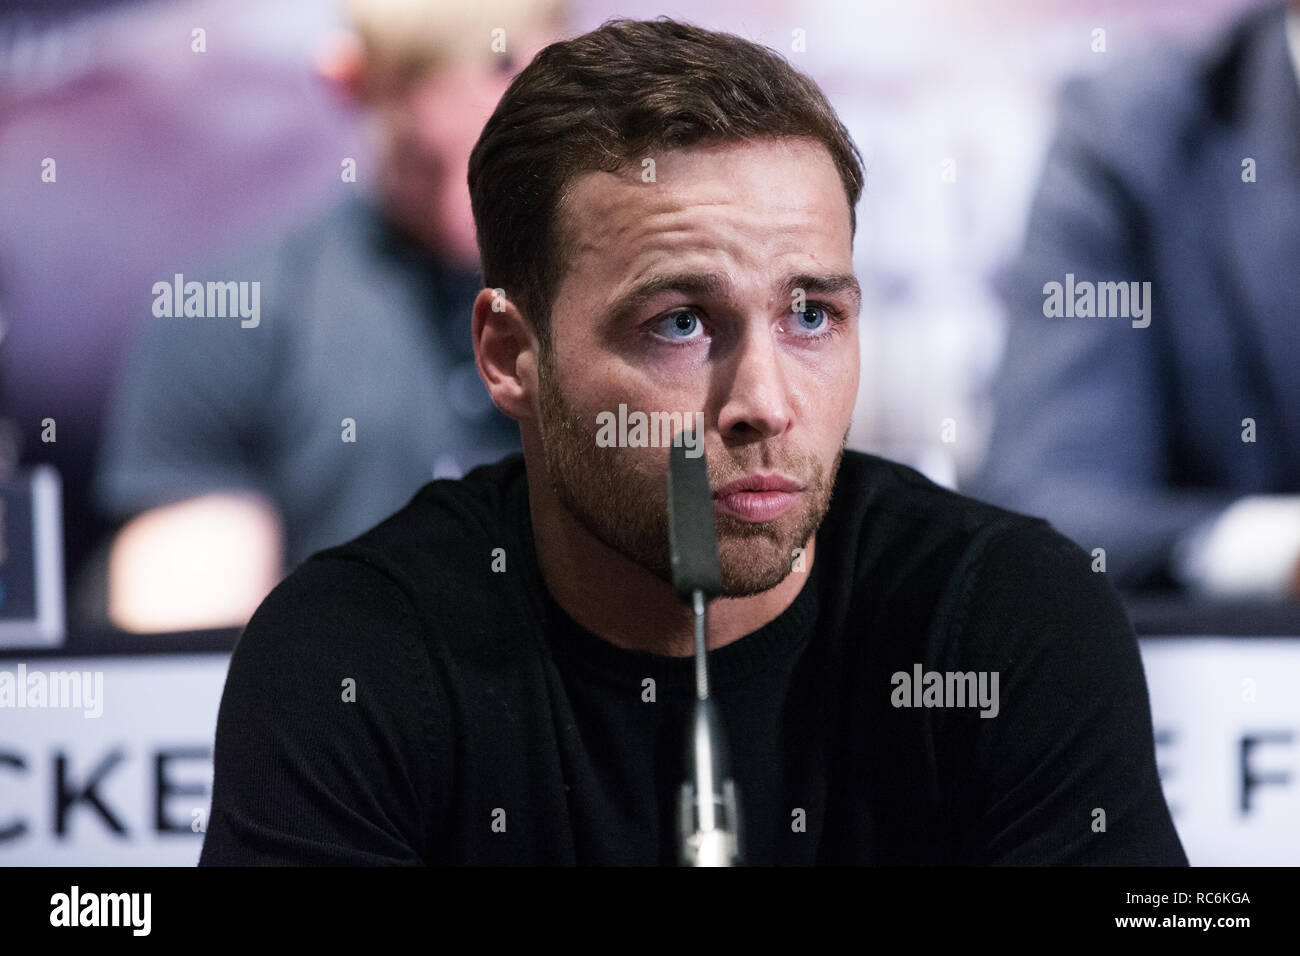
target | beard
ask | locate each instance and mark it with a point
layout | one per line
(624, 507)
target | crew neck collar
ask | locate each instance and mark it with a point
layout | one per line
(730, 665)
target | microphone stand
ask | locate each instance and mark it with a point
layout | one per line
(709, 813)
(710, 834)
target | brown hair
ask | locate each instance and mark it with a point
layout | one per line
(603, 100)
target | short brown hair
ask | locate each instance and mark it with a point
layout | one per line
(603, 100)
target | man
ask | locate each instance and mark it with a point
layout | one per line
(1171, 440)
(499, 674)
(238, 447)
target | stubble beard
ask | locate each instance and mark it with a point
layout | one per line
(626, 509)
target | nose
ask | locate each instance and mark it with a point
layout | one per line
(756, 403)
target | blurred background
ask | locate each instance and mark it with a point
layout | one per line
(236, 268)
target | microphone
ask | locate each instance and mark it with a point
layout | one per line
(708, 813)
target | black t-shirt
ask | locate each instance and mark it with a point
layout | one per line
(396, 700)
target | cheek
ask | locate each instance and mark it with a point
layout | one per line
(851, 377)
(596, 381)
(587, 386)
(826, 385)
(846, 370)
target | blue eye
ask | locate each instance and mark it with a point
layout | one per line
(814, 325)
(680, 325)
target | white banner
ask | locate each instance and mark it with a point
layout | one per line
(1227, 722)
(127, 787)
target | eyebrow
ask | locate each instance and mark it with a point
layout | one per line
(711, 284)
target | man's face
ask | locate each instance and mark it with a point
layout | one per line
(426, 128)
(726, 234)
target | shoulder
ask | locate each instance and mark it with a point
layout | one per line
(401, 580)
(333, 617)
(331, 742)
(987, 552)
(385, 585)
(929, 551)
(298, 264)
(1032, 597)
(893, 486)
(281, 268)
(886, 500)
(1150, 105)
(429, 569)
(350, 223)
(1002, 586)
(445, 524)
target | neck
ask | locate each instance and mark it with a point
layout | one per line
(624, 603)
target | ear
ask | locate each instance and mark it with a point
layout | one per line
(506, 352)
(340, 62)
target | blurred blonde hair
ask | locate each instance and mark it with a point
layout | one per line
(412, 36)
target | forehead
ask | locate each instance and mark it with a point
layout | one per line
(738, 205)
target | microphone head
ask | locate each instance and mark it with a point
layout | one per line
(692, 538)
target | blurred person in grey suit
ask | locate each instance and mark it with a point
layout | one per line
(238, 446)
(1167, 434)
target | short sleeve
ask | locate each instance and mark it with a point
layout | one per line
(1065, 772)
(326, 752)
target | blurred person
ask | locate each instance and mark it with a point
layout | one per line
(501, 672)
(242, 444)
(1170, 439)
